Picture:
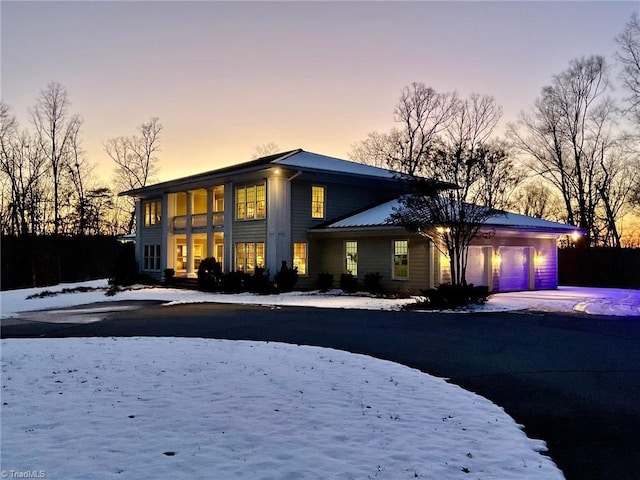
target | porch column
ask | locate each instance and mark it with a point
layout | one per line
(210, 252)
(229, 215)
(139, 223)
(188, 230)
(431, 269)
(169, 212)
(164, 219)
(488, 266)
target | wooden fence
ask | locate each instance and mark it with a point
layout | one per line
(599, 267)
(29, 261)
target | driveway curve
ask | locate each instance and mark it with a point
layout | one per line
(571, 380)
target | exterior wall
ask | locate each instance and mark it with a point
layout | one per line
(375, 254)
(149, 235)
(340, 199)
(289, 218)
(542, 264)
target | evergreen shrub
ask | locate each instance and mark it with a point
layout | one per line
(324, 282)
(209, 275)
(286, 278)
(349, 283)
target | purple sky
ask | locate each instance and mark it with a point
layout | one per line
(225, 77)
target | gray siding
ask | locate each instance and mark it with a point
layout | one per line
(340, 199)
(375, 254)
(250, 231)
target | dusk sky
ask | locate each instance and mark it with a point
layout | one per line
(225, 77)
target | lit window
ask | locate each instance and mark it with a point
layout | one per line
(152, 213)
(351, 251)
(240, 256)
(249, 256)
(317, 202)
(300, 257)
(259, 255)
(151, 257)
(400, 259)
(261, 201)
(251, 202)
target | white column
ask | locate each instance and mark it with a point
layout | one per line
(164, 241)
(210, 252)
(488, 266)
(229, 215)
(139, 224)
(431, 269)
(189, 235)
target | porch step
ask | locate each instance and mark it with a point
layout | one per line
(183, 282)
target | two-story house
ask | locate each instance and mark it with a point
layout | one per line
(323, 214)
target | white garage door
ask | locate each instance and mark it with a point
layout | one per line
(514, 268)
(476, 266)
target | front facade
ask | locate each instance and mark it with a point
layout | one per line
(284, 208)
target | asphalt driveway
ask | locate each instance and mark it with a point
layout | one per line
(572, 380)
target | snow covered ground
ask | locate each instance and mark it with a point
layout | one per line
(596, 301)
(185, 408)
(193, 408)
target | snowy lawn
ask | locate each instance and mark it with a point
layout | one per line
(195, 408)
(596, 301)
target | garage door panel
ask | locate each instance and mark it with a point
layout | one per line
(476, 266)
(514, 268)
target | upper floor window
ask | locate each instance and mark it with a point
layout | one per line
(251, 202)
(317, 202)
(351, 257)
(401, 259)
(152, 213)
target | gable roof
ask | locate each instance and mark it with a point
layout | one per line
(295, 159)
(380, 216)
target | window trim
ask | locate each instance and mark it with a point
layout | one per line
(393, 260)
(324, 202)
(256, 206)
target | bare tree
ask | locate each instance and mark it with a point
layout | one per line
(80, 173)
(422, 114)
(56, 129)
(136, 161)
(629, 57)
(500, 176)
(22, 165)
(461, 157)
(266, 149)
(568, 139)
(536, 199)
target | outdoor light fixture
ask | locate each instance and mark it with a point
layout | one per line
(443, 229)
(497, 259)
(277, 171)
(575, 236)
(538, 259)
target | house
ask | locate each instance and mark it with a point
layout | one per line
(324, 214)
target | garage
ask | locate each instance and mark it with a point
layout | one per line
(514, 268)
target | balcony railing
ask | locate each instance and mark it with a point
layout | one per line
(198, 221)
